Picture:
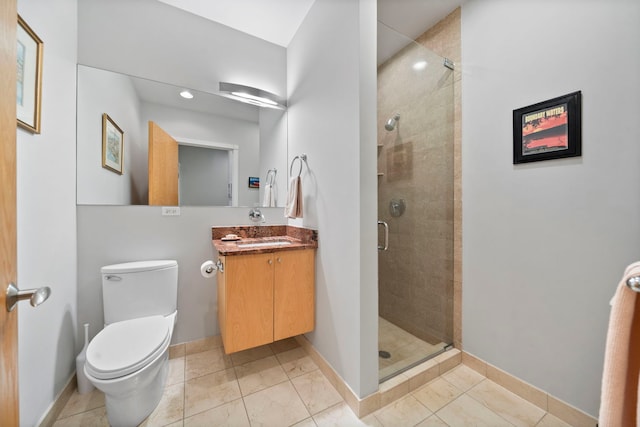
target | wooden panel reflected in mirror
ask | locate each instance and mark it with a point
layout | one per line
(163, 167)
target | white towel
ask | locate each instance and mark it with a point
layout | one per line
(619, 403)
(269, 199)
(294, 199)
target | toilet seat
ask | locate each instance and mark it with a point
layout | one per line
(125, 347)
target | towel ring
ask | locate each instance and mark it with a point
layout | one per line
(301, 158)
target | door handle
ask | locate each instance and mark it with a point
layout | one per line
(36, 296)
(386, 236)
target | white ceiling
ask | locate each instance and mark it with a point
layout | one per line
(273, 20)
(278, 20)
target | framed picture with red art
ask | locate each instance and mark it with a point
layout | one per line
(548, 130)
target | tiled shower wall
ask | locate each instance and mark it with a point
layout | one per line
(418, 164)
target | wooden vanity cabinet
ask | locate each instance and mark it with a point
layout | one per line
(265, 297)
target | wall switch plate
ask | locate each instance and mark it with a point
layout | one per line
(171, 211)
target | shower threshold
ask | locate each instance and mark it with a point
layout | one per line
(414, 364)
(399, 351)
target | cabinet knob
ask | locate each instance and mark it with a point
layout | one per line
(270, 261)
(279, 259)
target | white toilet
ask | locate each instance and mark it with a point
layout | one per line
(129, 359)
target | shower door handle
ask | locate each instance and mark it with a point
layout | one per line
(386, 236)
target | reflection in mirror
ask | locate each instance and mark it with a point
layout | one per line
(221, 144)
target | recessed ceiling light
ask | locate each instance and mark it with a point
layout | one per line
(420, 65)
(186, 94)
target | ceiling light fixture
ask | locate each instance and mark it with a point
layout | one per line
(252, 95)
(186, 94)
(420, 65)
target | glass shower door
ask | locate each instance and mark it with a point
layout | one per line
(415, 200)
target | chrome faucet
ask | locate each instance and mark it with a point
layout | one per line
(256, 216)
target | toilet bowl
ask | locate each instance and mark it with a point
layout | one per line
(129, 359)
(128, 362)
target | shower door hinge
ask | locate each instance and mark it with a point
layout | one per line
(449, 64)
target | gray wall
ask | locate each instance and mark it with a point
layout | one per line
(332, 96)
(104, 92)
(115, 234)
(46, 166)
(546, 243)
(204, 176)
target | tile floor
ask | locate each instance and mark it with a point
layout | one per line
(279, 385)
(405, 349)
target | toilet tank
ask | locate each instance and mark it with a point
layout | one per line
(139, 289)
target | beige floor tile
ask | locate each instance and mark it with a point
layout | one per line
(170, 409)
(437, 394)
(260, 374)
(296, 362)
(433, 421)
(342, 415)
(316, 391)
(463, 377)
(229, 414)
(94, 418)
(283, 386)
(210, 391)
(176, 371)
(250, 355)
(82, 402)
(551, 421)
(404, 412)
(508, 405)
(206, 362)
(466, 411)
(306, 423)
(276, 406)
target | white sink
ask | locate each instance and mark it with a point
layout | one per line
(260, 244)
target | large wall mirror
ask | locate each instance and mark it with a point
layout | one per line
(135, 75)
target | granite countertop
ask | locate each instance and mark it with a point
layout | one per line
(263, 239)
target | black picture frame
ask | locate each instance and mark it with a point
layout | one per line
(548, 130)
(254, 182)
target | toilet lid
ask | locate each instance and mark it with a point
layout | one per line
(125, 347)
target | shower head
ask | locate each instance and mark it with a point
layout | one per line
(391, 123)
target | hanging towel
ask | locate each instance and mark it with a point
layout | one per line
(294, 199)
(619, 404)
(269, 200)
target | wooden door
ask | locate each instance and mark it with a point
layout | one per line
(9, 411)
(294, 293)
(249, 301)
(163, 167)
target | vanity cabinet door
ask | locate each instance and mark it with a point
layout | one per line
(294, 293)
(248, 301)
